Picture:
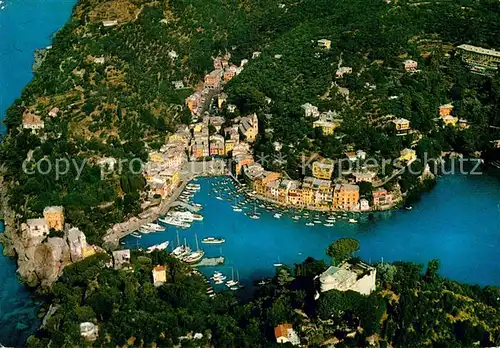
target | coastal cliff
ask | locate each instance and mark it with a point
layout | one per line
(40, 259)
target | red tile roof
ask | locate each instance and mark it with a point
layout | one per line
(282, 330)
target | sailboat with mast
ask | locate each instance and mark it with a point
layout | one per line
(254, 216)
(236, 286)
(278, 264)
(195, 256)
(232, 282)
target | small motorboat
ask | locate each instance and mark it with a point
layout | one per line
(353, 221)
(310, 224)
(277, 216)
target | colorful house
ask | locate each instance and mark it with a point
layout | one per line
(345, 196)
(410, 65)
(326, 126)
(213, 79)
(445, 109)
(401, 124)
(159, 275)
(381, 197)
(55, 217)
(324, 43)
(408, 155)
(323, 169)
(284, 333)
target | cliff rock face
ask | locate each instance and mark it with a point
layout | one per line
(40, 260)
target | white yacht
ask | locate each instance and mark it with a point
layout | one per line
(153, 227)
(310, 224)
(213, 240)
(161, 246)
(353, 221)
(277, 215)
(174, 222)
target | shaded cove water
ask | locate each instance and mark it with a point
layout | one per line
(457, 223)
(24, 26)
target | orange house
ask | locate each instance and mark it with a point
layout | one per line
(445, 110)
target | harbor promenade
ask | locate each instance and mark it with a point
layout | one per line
(190, 171)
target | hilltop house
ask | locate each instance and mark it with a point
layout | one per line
(285, 333)
(310, 110)
(55, 217)
(324, 43)
(121, 258)
(32, 121)
(159, 275)
(410, 65)
(358, 277)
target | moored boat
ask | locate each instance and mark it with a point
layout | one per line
(213, 240)
(174, 222)
(161, 246)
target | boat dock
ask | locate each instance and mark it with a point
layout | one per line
(210, 261)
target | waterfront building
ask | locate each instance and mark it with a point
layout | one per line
(358, 277)
(481, 60)
(253, 171)
(324, 43)
(284, 333)
(321, 192)
(401, 124)
(345, 196)
(310, 110)
(159, 275)
(294, 193)
(410, 65)
(54, 216)
(213, 79)
(89, 331)
(323, 168)
(36, 228)
(408, 155)
(261, 182)
(121, 258)
(381, 198)
(327, 127)
(364, 205)
(241, 161)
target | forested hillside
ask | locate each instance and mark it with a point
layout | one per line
(112, 84)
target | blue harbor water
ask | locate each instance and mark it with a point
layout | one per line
(25, 25)
(457, 223)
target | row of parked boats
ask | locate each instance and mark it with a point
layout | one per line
(243, 201)
(220, 279)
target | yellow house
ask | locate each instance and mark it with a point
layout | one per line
(402, 124)
(307, 196)
(324, 43)
(198, 127)
(346, 196)
(229, 146)
(323, 169)
(327, 127)
(156, 157)
(174, 177)
(408, 155)
(449, 120)
(159, 275)
(55, 217)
